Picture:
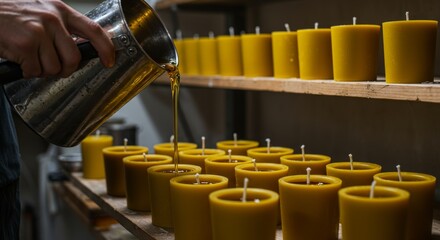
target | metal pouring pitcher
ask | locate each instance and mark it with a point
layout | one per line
(65, 110)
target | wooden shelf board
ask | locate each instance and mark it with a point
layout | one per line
(424, 92)
(139, 223)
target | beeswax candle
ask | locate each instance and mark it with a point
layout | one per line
(92, 157)
(233, 219)
(191, 56)
(304, 207)
(168, 148)
(230, 55)
(159, 179)
(225, 166)
(409, 50)
(421, 202)
(190, 205)
(361, 174)
(136, 179)
(198, 156)
(261, 154)
(114, 167)
(238, 147)
(257, 55)
(285, 54)
(381, 217)
(208, 56)
(315, 54)
(355, 50)
(265, 175)
(298, 165)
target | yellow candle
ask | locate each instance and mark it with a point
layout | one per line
(168, 148)
(409, 50)
(92, 158)
(232, 218)
(198, 156)
(315, 54)
(229, 54)
(285, 54)
(221, 165)
(421, 202)
(297, 165)
(136, 179)
(114, 167)
(191, 58)
(190, 205)
(238, 147)
(309, 211)
(272, 156)
(208, 56)
(380, 218)
(362, 173)
(181, 53)
(355, 50)
(265, 176)
(257, 55)
(159, 179)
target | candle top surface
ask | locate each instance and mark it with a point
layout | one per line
(409, 22)
(253, 35)
(315, 180)
(263, 168)
(357, 166)
(123, 150)
(205, 180)
(381, 194)
(232, 197)
(224, 159)
(272, 151)
(314, 30)
(308, 157)
(238, 143)
(357, 26)
(180, 145)
(198, 152)
(97, 138)
(151, 158)
(293, 33)
(170, 169)
(407, 178)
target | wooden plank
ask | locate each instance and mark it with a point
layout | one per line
(424, 92)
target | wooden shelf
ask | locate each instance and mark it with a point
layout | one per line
(424, 92)
(139, 223)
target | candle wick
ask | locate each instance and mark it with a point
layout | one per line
(235, 138)
(351, 161)
(354, 20)
(196, 36)
(257, 30)
(308, 175)
(231, 31)
(245, 185)
(373, 185)
(211, 34)
(179, 34)
(268, 144)
(98, 133)
(254, 161)
(145, 157)
(303, 153)
(399, 174)
(172, 139)
(125, 144)
(229, 155)
(197, 178)
(203, 145)
(286, 25)
(407, 15)
(316, 25)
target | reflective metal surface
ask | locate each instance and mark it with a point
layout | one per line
(65, 110)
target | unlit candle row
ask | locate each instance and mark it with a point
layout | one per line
(342, 53)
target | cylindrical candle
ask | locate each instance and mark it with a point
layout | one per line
(306, 207)
(265, 176)
(229, 55)
(114, 167)
(190, 205)
(208, 56)
(191, 56)
(285, 54)
(421, 202)
(381, 217)
(272, 156)
(181, 53)
(409, 50)
(136, 179)
(198, 156)
(233, 219)
(92, 158)
(238, 147)
(159, 179)
(168, 148)
(222, 165)
(315, 54)
(298, 165)
(257, 55)
(355, 50)
(362, 173)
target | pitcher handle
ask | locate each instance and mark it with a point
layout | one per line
(10, 71)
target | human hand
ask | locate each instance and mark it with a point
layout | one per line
(38, 36)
